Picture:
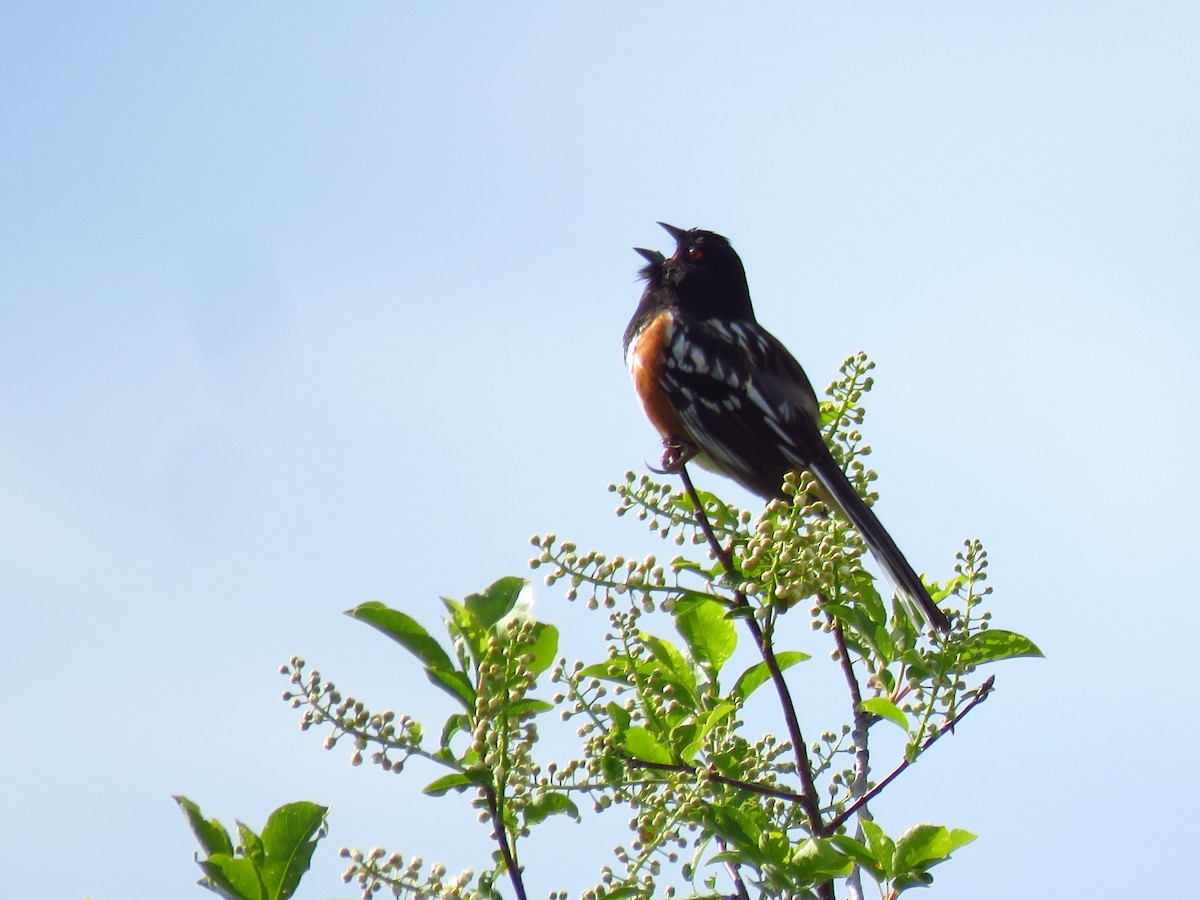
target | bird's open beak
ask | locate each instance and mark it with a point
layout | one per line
(651, 256)
(677, 233)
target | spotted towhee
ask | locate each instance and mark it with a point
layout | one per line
(722, 390)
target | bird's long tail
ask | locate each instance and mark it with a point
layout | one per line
(904, 579)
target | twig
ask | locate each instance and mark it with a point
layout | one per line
(735, 873)
(861, 740)
(862, 720)
(510, 862)
(810, 799)
(725, 555)
(981, 694)
(760, 789)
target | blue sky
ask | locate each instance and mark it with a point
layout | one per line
(303, 304)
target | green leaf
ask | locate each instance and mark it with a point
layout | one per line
(918, 666)
(701, 621)
(865, 589)
(905, 880)
(251, 846)
(453, 725)
(497, 601)
(446, 756)
(405, 631)
(623, 669)
(673, 666)
(706, 573)
(529, 706)
(456, 781)
(758, 674)
(685, 741)
(455, 684)
(940, 590)
(699, 730)
(775, 854)
(289, 839)
(619, 715)
(887, 680)
(665, 663)
(550, 804)
(233, 877)
(994, 645)
(622, 893)
(544, 648)
(880, 640)
(885, 709)
(857, 851)
(830, 412)
(464, 624)
(818, 860)
(882, 847)
(641, 744)
(614, 769)
(720, 513)
(923, 845)
(210, 833)
(960, 837)
(865, 621)
(619, 669)
(733, 825)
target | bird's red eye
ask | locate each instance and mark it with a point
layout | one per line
(694, 253)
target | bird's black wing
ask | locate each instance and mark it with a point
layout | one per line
(746, 402)
(750, 408)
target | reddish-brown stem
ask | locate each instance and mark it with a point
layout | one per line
(501, 835)
(735, 874)
(809, 799)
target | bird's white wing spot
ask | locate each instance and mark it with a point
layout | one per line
(778, 428)
(761, 401)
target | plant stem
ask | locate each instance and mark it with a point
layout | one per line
(501, 835)
(860, 737)
(810, 799)
(735, 874)
(981, 694)
(760, 789)
(862, 721)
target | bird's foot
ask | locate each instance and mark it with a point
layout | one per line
(675, 456)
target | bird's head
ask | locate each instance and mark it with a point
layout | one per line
(704, 274)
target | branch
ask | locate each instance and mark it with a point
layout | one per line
(725, 555)
(501, 835)
(735, 873)
(860, 737)
(760, 789)
(981, 694)
(810, 799)
(862, 720)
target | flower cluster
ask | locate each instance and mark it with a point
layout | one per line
(395, 737)
(376, 870)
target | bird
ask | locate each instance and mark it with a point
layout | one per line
(722, 390)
